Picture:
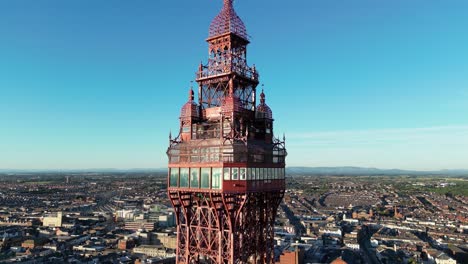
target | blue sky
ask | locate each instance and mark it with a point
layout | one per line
(99, 84)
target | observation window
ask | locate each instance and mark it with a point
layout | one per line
(235, 173)
(184, 178)
(174, 177)
(242, 174)
(227, 174)
(216, 178)
(194, 178)
(205, 178)
(249, 173)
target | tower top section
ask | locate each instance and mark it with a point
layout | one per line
(227, 21)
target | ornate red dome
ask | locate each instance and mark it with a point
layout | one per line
(190, 109)
(227, 21)
(263, 110)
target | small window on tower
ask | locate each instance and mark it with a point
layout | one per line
(174, 177)
(184, 177)
(235, 172)
(205, 178)
(194, 181)
(227, 174)
(242, 174)
(249, 173)
(216, 178)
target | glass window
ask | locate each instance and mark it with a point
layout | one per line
(235, 172)
(216, 178)
(243, 171)
(270, 173)
(205, 178)
(257, 173)
(205, 157)
(227, 174)
(184, 178)
(249, 173)
(194, 181)
(174, 179)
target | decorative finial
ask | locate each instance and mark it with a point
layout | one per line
(191, 94)
(262, 95)
(228, 3)
(170, 135)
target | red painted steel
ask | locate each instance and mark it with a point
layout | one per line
(226, 168)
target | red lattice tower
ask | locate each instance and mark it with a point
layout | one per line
(226, 169)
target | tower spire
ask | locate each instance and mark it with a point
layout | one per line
(227, 21)
(262, 96)
(228, 3)
(191, 93)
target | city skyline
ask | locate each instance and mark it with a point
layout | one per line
(92, 85)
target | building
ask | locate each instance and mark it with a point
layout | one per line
(153, 251)
(30, 243)
(166, 220)
(351, 243)
(442, 258)
(292, 256)
(33, 243)
(226, 169)
(168, 240)
(140, 225)
(16, 223)
(125, 244)
(53, 220)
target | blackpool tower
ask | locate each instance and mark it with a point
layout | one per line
(226, 168)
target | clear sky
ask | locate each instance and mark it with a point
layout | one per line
(99, 84)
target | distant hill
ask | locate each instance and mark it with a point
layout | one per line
(369, 171)
(351, 171)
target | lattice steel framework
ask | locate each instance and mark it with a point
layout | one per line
(226, 169)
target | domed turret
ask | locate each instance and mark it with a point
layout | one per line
(227, 21)
(263, 110)
(190, 109)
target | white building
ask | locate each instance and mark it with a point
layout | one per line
(53, 220)
(153, 251)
